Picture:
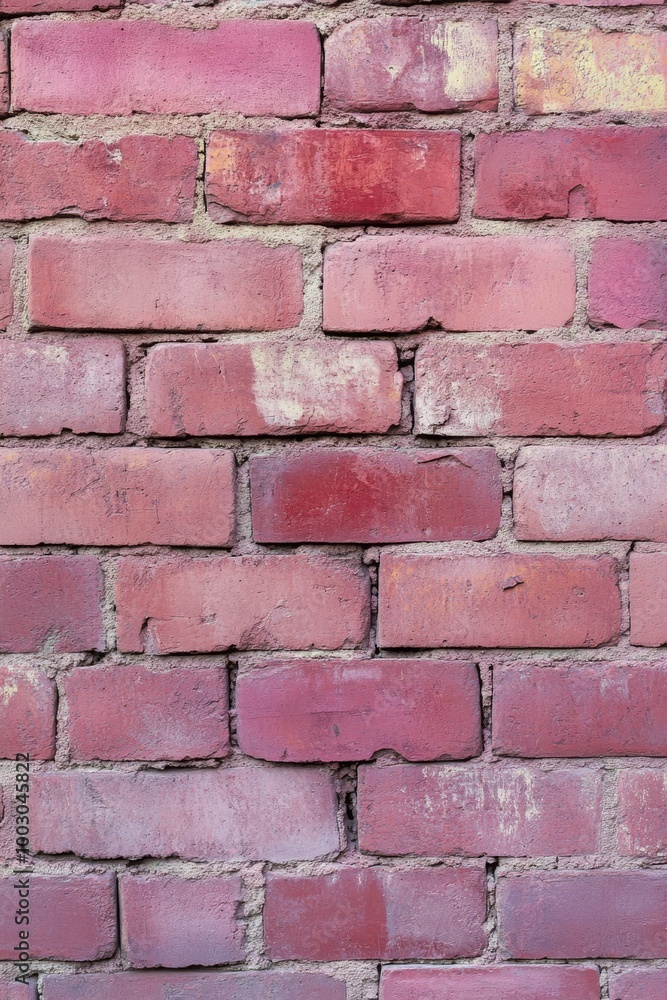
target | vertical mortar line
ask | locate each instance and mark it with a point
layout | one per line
(610, 809)
(406, 366)
(467, 176)
(232, 670)
(491, 922)
(109, 566)
(507, 26)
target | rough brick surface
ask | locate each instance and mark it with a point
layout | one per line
(539, 389)
(401, 283)
(333, 176)
(643, 813)
(328, 710)
(241, 389)
(375, 914)
(6, 292)
(436, 810)
(638, 984)
(27, 713)
(648, 598)
(627, 283)
(376, 495)
(4, 73)
(195, 986)
(133, 713)
(18, 991)
(498, 983)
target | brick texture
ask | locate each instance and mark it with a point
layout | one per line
(27, 713)
(196, 986)
(648, 598)
(6, 292)
(643, 813)
(627, 283)
(498, 983)
(638, 984)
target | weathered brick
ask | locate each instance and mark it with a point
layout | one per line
(12, 990)
(133, 713)
(498, 982)
(139, 177)
(27, 713)
(580, 710)
(642, 828)
(231, 388)
(223, 814)
(84, 928)
(11, 7)
(116, 67)
(245, 602)
(648, 598)
(6, 264)
(119, 496)
(539, 389)
(583, 173)
(376, 495)
(594, 914)
(48, 386)
(434, 810)
(348, 710)
(590, 70)
(194, 986)
(176, 922)
(401, 283)
(565, 494)
(638, 984)
(52, 602)
(405, 64)
(322, 175)
(498, 601)
(361, 913)
(627, 284)
(115, 283)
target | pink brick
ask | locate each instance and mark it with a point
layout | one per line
(361, 913)
(583, 173)
(10, 7)
(627, 283)
(435, 810)
(498, 982)
(11, 990)
(595, 914)
(237, 813)
(498, 601)
(49, 386)
(642, 829)
(539, 389)
(114, 283)
(255, 67)
(51, 602)
(139, 177)
(245, 602)
(405, 64)
(569, 494)
(120, 496)
(348, 710)
(648, 598)
(322, 175)
(27, 713)
(401, 283)
(638, 984)
(376, 495)
(6, 264)
(133, 713)
(175, 922)
(580, 710)
(239, 389)
(194, 986)
(72, 917)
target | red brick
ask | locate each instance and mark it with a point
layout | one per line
(133, 713)
(495, 983)
(238, 389)
(47, 386)
(222, 814)
(193, 986)
(400, 283)
(539, 389)
(120, 496)
(139, 177)
(18, 991)
(627, 284)
(6, 264)
(648, 598)
(52, 602)
(583, 915)
(245, 602)
(27, 713)
(580, 710)
(642, 826)
(339, 710)
(10, 7)
(114, 283)
(498, 601)
(72, 917)
(362, 913)
(405, 64)
(638, 984)
(583, 173)
(322, 175)
(116, 67)
(175, 922)
(4, 73)
(435, 810)
(376, 495)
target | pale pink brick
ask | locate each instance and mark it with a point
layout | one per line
(194, 986)
(638, 984)
(27, 712)
(6, 291)
(648, 598)
(642, 816)
(497, 982)
(627, 283)
(12, 990)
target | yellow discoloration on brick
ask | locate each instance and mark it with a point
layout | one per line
(467, 54)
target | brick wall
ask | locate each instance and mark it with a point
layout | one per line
(333, 513)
